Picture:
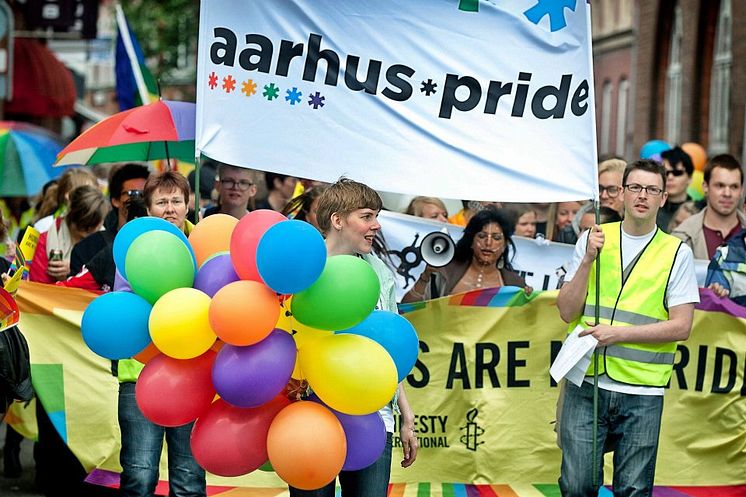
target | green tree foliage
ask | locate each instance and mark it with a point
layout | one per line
(167, 31)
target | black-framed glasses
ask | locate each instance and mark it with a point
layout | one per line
(675, 172)
(611, 191)
(242, 185)
(651, 190)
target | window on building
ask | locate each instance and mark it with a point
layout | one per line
(720, 81)
(606, 93)
(621, 118)
(673, 80)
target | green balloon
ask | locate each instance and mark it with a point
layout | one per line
(345, 293)
(267, 466)
(156, 263)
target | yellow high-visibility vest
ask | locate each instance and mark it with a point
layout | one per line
(638, 299)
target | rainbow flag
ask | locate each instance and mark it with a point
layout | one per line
(135, 83)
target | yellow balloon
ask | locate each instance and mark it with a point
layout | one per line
(696, 184)
(301, 333)
(179, 324)
(350, 373)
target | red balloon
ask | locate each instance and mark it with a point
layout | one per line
(174, 392)
(245, 238)
(231, 441)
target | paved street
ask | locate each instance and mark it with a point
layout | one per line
(23, 486)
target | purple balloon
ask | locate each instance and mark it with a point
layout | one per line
(120, 284)
(253, 375)
(215, 274)
(366, 437)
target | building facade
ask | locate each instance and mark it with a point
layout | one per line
(672, 70)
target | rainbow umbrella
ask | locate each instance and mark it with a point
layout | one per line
(27, 153)
(160, 130)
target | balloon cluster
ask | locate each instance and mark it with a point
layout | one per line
(239, 310)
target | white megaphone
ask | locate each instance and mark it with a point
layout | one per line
(437, 249)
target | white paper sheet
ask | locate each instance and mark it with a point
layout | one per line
(574, 357)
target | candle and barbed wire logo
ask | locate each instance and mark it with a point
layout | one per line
(473, 431)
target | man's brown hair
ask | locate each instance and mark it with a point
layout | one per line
(344, 197)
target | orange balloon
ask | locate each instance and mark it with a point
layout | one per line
(697, 153)
(306, 445)
(212, 235)
(244, 312)
(147, 354)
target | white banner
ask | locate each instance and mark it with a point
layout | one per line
(538, 261)
(472, 99)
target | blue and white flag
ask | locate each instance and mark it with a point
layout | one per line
(473, 99)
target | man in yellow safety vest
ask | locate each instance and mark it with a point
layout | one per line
(647, 295)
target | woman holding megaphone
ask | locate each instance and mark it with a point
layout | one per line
(481, 260)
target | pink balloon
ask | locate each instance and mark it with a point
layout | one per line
(245, 238)
(231, 441)
(174, 392)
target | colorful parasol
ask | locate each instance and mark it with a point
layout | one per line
(27, 153)
(161, 130)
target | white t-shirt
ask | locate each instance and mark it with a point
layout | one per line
(682, 289)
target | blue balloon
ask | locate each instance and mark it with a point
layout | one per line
(115, 325)
(653, 147)
(395, 334)
(290, 256)
(137, 227)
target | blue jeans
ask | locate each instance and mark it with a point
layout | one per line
(142, 443)
(372, 481)
(627, 424)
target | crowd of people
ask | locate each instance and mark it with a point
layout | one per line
(648, 199)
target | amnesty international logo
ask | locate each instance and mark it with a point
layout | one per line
(473, 431)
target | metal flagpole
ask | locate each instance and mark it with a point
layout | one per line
(596, 320)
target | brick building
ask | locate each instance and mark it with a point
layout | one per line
(670, 69)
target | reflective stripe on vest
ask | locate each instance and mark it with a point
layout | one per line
(639, 300)
(623, 316)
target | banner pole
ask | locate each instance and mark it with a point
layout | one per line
(196, 186)
(596, 320)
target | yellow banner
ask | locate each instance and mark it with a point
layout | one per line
(485, 402)
(481, 391)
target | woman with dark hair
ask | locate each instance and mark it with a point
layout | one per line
(481, 260)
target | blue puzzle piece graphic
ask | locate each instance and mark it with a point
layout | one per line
(555, 9)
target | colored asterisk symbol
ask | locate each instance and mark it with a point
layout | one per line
(248, 87)
(555, 9)
(316, 100)
(229, 84)
(293, 96)
(212, 80)
(271, 91)
(428, 87)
